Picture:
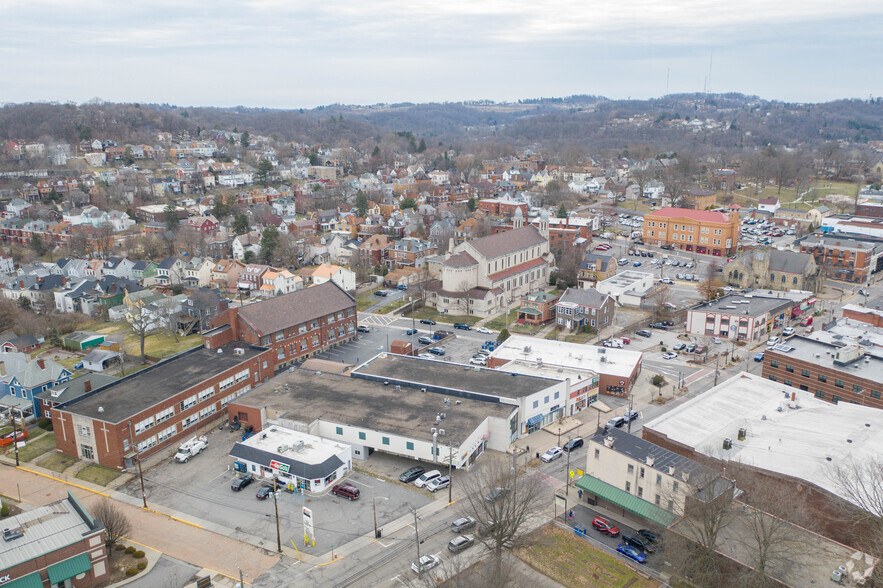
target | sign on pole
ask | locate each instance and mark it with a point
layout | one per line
(308, 523)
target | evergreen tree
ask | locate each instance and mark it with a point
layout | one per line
(269, 243)
(240, 224)
(361, 204)
(245, 140)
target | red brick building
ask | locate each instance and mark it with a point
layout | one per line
(505, 207)
(294, 325)
(161, 406)
(59, 544)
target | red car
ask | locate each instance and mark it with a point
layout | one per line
(605, 526)
(807, 321)
(7, 439)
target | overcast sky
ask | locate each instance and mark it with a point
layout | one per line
(291, 53)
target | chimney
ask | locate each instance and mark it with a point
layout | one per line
(87, 386)
(41, 364)
(793, 396)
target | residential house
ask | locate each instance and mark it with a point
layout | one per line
(6, 265)
(38, 375)
(595, 268)
(23, 344)
(537, 309)
(409, 252)
(276, 282)
(323, 249)
(699, 198)
(119, 267)
(248, 242)
(72, 389)
(373, 250)
(17, 206)
(770, 204)
(225, 274)
(170, 272)
(584, 308)
(206, 225)
(251, 277)
(143, 271)
(343, 277)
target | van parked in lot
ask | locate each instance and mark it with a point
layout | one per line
(425, 478)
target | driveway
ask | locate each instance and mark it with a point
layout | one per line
(201, 488)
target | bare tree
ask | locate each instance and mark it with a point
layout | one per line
(503, 502)
(116, 523)
(142, 323)
(103, 239)
(710, 289)
(661, 299)
(861, 483)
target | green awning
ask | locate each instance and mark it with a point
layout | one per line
(32, 580)
(69, 568)
(530, 311)
(623, 499)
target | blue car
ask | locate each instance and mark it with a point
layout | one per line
(411, 332)
(632, 552)
(637, 264)
(759, 356)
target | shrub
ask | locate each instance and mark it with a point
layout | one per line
(138, 554)
(141, 565)
(663, 349)
(130, 550)
(119, 547)
(44, 424)
(131, 571)
(4, 512)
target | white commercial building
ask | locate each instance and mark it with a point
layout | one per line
(305, 461)
(617, 369)
(627, 288)
(772, 427)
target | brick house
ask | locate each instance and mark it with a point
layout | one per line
(537, 309)
(843, 258)
(596, 268)
(294, 325)
(584, 308)
(157, 408)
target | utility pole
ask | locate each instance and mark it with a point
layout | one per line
(14, 435)
(138, 459)
(567, 473)
(417, 538)
(276, 506)
(450, 473)
(716, 356)
(631, 404)
(374, 506)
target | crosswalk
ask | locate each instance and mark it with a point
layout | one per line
(376, 319)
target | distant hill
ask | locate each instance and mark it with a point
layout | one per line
(725, 121)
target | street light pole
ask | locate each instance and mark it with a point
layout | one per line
(276, 507)
(567, 473)
(374, 506)
(14, 435)
(417, 539)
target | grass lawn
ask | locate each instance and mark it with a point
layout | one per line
(433, 314)
(366, 299)
(58, 462)
(98, 474)
(571, 561)
(70, 362)
(393, 305)
(160, 344)
(37, 447)
(106, 327)
(579, 337)
(499, 322)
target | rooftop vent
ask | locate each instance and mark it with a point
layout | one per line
(238, 351)
(608, 441)
(671, 470)
(650, 460)
(100, 409)
(13, 534)
(220, 351)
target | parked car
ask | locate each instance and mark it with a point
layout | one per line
(679, 346)
(402, 287)
(484, 331)
(667, 281)
(264, 492)
(462, 326)
(669, 355)
(381, 293)
(410, 332)
(691, 348)
(631, 416)
(346, 491)
(496, 494)
(427, 322)
(424, 341)
(788, 331)
(605, 526)
(637, 264)
(648, 535)
(462, 524)
(425, 356)
(460, 543)
(772, 341)
(701, 349)
(632, 552)
(644, 333)
(485, 528)
(363, 329)
(12, 437)
(716, 341)
(427, 562)
(240, 483)
(615, 422)
(659, 326)
(438, 483)
(478, 360)
(639, 542)
(426, 477)
(574, 443)
(758, 356)
(437, 350)
(411, 474)
(552, 454)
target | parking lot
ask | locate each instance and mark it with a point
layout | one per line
(583, 516)
(384, 330)
(201, 488)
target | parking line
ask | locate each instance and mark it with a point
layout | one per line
(219, 475)
(380, 543)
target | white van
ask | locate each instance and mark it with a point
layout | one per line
(425, 478)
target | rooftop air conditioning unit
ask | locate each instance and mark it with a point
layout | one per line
(433, 430)
(728, 443)
(238, 351)
(608, 441)
(441, 432)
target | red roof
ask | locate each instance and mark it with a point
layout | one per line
(516, 269)
(708, 216)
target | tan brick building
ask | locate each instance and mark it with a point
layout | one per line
(701, 231)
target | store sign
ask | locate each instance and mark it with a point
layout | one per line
(308, 522)
(278, 465)
(6, 578)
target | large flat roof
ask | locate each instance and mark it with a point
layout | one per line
(615, 362)
(744, 305)
(132, 394)
(46, 529)
(822, 354)
(427, 373)
(306, 395)
(796, 442)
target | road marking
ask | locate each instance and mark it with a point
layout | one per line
(380, 543)
(219, 475)
(548, 480)
(398, 579)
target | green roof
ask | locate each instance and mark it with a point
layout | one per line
(32, 580)
(531, 311)
(625, 500)
(69, 568)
